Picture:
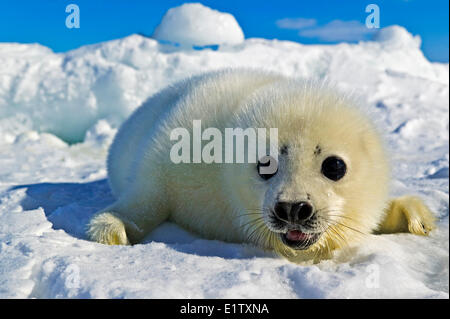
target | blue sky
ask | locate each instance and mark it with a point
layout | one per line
(305, 21)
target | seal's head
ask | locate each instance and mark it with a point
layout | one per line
(331, 181)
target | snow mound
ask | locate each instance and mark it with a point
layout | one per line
(397, 36)
(193, 24)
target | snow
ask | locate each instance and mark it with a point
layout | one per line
(398, 37)
(193, 24)
(50, 185)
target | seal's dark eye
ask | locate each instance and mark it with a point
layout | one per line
(267, 167)
(334, 168)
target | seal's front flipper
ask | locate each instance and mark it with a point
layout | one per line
(112, 228)
(407, 214)
(124, 223)
(107, 228)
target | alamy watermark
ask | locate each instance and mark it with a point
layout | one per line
(73, 19)
(373, 19)
(221, 148)
(373, 278)
(72, 276)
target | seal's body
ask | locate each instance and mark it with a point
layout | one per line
(329, 190)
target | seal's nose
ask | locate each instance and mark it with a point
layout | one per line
(293, 212)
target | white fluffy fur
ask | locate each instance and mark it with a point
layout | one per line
(229, 201)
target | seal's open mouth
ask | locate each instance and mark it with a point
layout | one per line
(299, 240)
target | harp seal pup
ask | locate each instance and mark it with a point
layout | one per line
(329, 191)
